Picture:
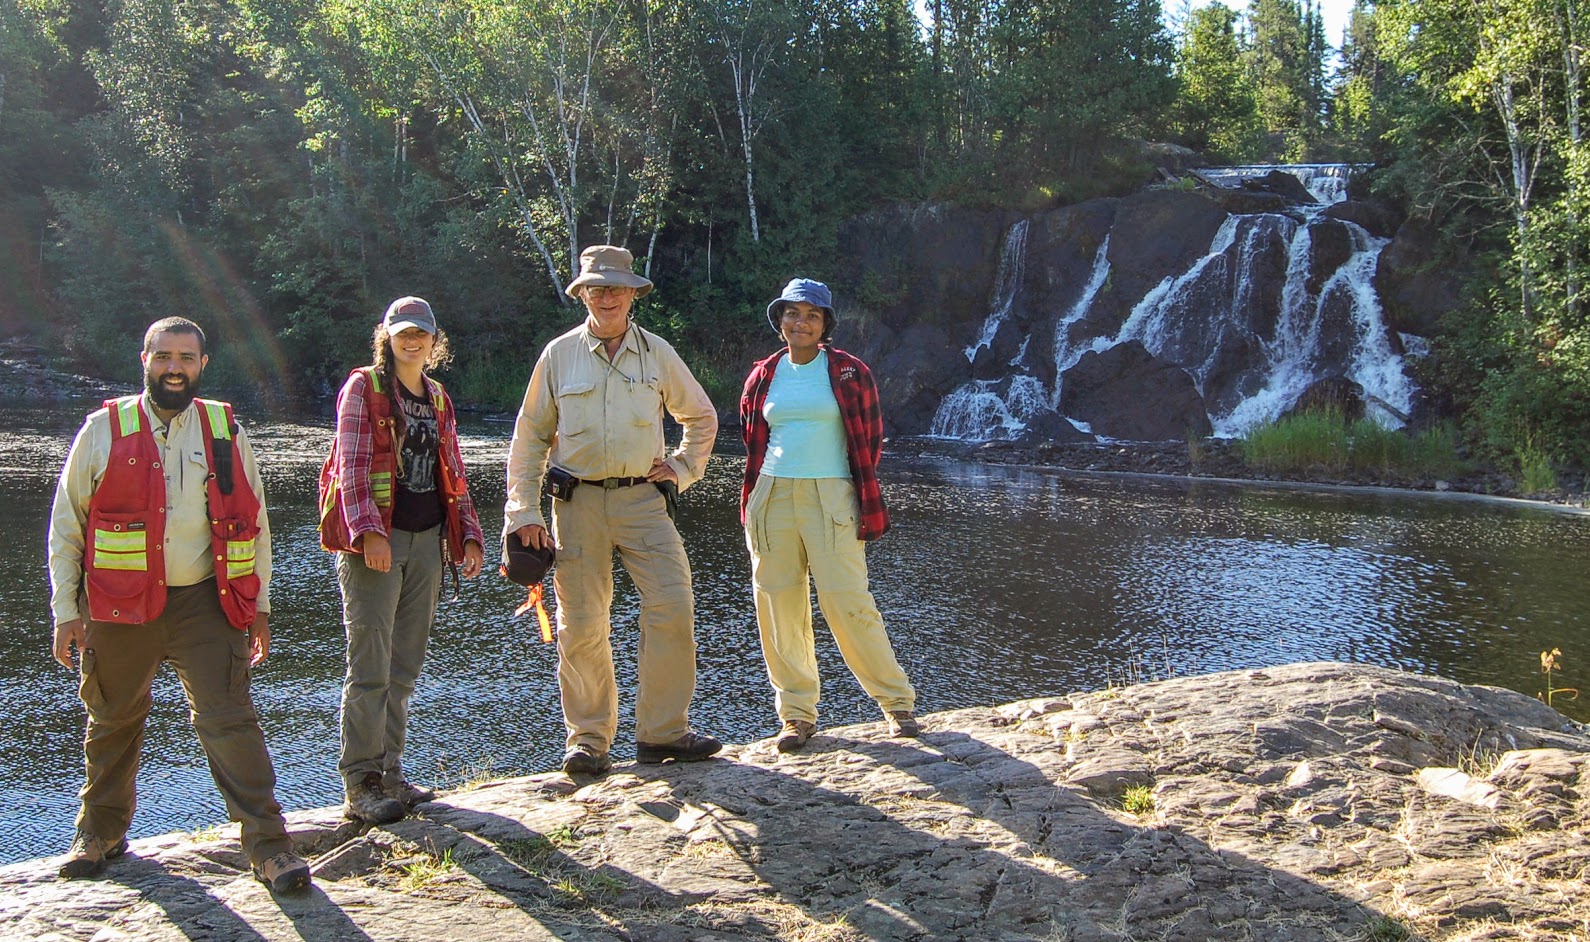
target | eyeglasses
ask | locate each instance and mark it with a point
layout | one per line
(598, 291)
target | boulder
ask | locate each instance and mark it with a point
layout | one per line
(1335, 393)
(928, 263)
(1051, 427)
(1250, 202)
(1309, 802)
(1128, 393)
(1419, 279)
(1281, 184)
(1156, 233)
(1330, 244)
(1377, 219)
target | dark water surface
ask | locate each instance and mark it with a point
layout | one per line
(997, 584)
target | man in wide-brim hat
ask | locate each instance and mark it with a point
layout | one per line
(591, 427)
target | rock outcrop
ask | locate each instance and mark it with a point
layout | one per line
(1306, 802)
(1126, 392)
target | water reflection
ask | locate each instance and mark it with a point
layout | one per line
(997, 584)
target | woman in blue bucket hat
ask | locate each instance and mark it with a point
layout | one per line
(813, 433)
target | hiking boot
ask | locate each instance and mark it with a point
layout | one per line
(409, 794)
(284, 873)
(88, 855)
(691, 747)
(367, 802)
(586, 760)
(902, 724)
(794, 735)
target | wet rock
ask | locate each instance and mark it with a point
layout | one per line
(1281, 184)
(1270, 820)
(1376, 219)
(1127, 392)
(1417, 285)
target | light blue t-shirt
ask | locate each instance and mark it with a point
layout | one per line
(807, 435)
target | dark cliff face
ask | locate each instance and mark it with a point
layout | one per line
(920, 287)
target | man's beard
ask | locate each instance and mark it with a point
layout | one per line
(172, 399)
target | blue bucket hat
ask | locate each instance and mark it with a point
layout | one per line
(812, 292)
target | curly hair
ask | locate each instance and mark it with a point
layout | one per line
(384, 361)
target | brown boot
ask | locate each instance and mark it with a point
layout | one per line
(88, 855)
(408, 793)
(367, 802)
(794, 735)
(286, 872)
(903, 724)
(691, 747)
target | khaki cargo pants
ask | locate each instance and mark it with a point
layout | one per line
(800, 526)
(211, 660)
(634, 520)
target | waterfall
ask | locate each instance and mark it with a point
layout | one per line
(1012, 265)
(977, 411)
(1066, 350)
(1297, 356)
(1254, 336)
(1327, 182)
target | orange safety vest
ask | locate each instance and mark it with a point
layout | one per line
(124, 563)
(383, 469)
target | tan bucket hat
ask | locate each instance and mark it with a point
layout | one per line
(608, 265)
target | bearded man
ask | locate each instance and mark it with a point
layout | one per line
(160, 551)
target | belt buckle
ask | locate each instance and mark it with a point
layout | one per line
(613, 484)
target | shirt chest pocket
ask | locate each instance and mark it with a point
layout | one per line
(191, 469)
(642, 400)
(579, 409)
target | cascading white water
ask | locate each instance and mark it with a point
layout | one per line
(976, 410)
(1327, 182)
(1066, 350)
(1296, 358)
(1007, 282)
(1211, 315)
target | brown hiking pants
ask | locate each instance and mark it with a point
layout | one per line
(211, 659)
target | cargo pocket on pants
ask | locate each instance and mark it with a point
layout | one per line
(843, 510)
(88, 684)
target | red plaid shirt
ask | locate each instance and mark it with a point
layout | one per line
(356, 444)
(858, 409)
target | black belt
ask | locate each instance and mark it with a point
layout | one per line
(608, 484)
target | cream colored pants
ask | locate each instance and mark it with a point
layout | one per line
(634, 520)
(796, 526)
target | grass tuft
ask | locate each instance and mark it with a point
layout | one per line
(1324, 439)
(1385, 929)
(1138, 800)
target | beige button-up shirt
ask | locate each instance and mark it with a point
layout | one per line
(187, 553)
(598, 418)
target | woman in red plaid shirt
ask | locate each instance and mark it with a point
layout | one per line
(395, 506)
(813, 433)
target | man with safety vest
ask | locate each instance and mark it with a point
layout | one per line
(160, 551)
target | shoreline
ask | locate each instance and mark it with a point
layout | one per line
(1221, 462)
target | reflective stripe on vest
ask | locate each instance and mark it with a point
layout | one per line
(239, 558)
(121, 549)
(219, 427)
(128, 415)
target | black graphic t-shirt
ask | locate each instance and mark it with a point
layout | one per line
(418, 505)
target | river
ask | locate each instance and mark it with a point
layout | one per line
(997, 584)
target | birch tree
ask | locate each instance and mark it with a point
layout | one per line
(746, 37)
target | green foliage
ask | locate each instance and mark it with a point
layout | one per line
(1138, 800)
(1384, 929)
(1217, 108)
(1323, 440)
(1535, 472)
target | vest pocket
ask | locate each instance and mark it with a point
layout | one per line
(117, 563)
